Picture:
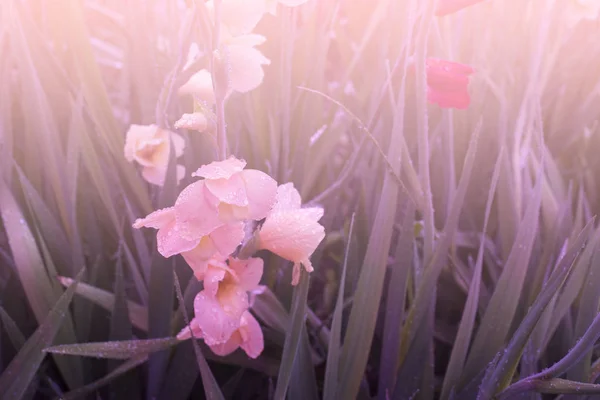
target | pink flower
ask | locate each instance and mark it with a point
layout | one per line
(248, 336)
(445, 7)
(290, 231)
(447, 83)
(208, 215)
(218, 309)
(238, 194)
(150, 146)
(200, 86)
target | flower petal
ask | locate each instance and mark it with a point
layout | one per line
(287, 198)
(252, 336)
(154, 175)
(169, 242)
(261, 192)
(212, 277)
(249, 272)
(156, 219)
(178, 143)
(229, 346)
(230, 190)
(200, 86)
(228, 237)
(246, 72)
(195, 121)
(293, 235)
(136, 134)
(185, 333)
(221, 169)
(196, 216)
(218, 317)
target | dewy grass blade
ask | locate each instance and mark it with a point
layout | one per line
(292, 336)
(467, 322)
(504, 302)
(587, 310)
(426, 286)
(395, 303)
(509, 361)
(15, 379)
(33, 274)
(116, 350)
(137, 313)
(109, 378)
(333, 355)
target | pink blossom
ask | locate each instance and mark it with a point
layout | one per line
(237, 193)
(447, 83)
(219, 307)
(292, 232)
(150, 146)
(248, 336)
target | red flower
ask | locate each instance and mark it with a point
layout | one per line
(447, 83)
(445, 7)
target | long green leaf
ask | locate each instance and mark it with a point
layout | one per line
(117, 350)
(106, 300)
(510, 357)
(38, 287)
(292, 336)
(16, 378)
(465, 328)
(332, 367)
(503, 305)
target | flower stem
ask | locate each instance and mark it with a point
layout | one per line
(219, 91)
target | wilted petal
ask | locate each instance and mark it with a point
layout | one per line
(156, 219)
(246, 72)
(261, 190)
(196, 216)
(221, 169)
(293, 235)
(200, 86)
(249, 272)
(219, 316)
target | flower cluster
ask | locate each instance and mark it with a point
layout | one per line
(209, 221)
(237, 49)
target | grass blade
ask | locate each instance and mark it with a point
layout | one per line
(332, 366)
(16, 378)
(292, 336)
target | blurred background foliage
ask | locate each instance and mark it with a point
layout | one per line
(472, 266)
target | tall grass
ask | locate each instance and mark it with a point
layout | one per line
(461, 258)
